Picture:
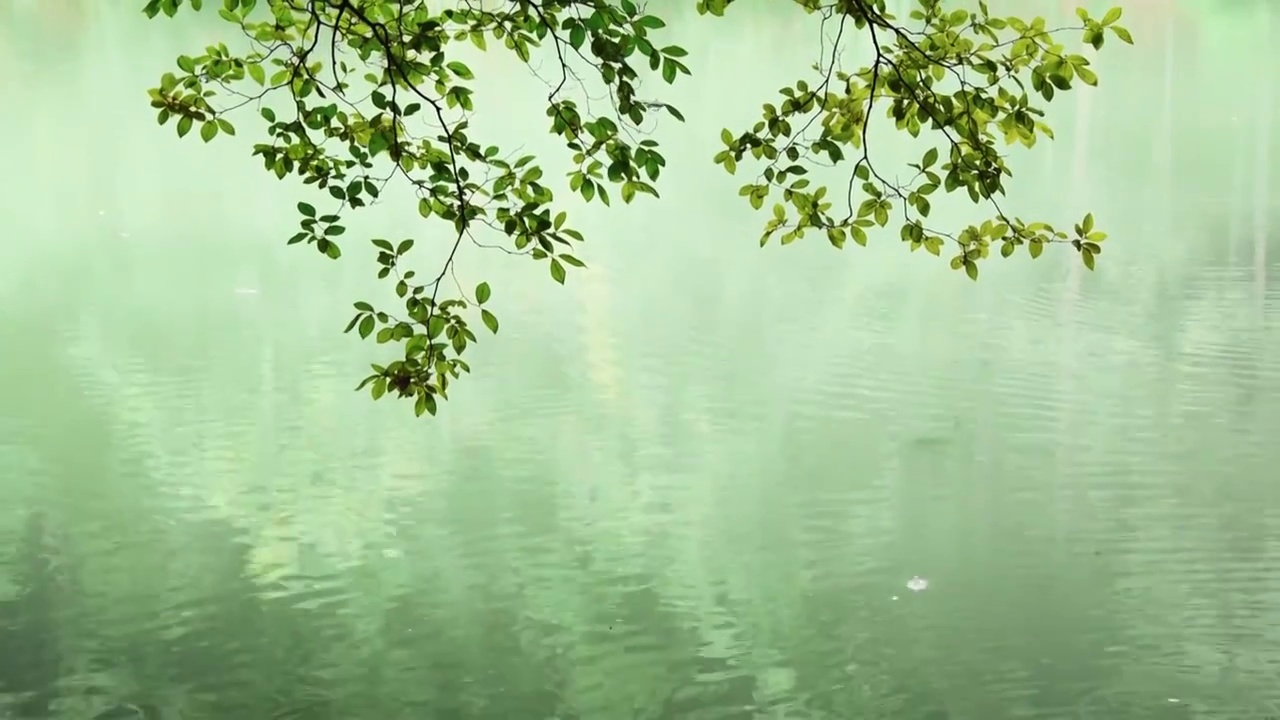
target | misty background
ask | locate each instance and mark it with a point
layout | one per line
(693, 482)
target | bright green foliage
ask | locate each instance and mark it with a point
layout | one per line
(376, 95)
(960, 75)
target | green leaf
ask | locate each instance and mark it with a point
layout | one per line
(426, 402)
(378, 142)
(557, 271)
(257, 73)
(435, 326)
(461, 70)
(490, 321)
(184, 125)
(307, 209)
(835, 235)
(208, 130)
(482, 293)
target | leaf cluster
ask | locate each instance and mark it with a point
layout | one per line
(371, 92)
(974, 82)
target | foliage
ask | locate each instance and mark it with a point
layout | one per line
(376, 94)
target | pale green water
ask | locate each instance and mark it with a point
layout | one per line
(691, 483)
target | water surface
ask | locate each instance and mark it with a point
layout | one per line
(693, 483)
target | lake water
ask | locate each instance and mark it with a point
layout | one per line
(696, 481)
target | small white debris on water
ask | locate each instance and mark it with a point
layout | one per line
(895, 597)
(917, 583)
(246, 291)
(1174, 700)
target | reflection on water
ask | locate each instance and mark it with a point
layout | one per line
(701, 481)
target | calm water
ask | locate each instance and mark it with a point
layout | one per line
(693, 483)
